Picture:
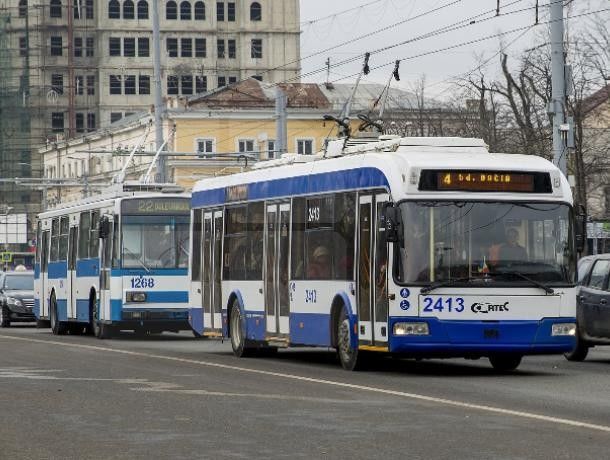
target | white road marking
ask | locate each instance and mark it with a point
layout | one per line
(401, 394)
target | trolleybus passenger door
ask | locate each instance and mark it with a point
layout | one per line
(206, 270)
(277, 240)
(216, 274)
(71, 277)
(44, 268)
(365, 247)
(105, 264)
(380, 272)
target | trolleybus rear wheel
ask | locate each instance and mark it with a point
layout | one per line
(351, 359)
(505, 363)
(238, 333)
(57, 326)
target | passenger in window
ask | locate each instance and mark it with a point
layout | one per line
(511, 250)
(319, 265)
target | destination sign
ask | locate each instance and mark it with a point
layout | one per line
(486, 181)
(236, 193)
(156, 206)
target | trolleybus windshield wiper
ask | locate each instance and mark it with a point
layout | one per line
(138, 258)
(439, 284)
(544, 287)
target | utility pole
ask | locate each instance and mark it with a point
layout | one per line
(161, 166)
(281, 127)
(558, 82)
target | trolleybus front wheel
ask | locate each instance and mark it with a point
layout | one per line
(351, 358)
(580, 351)
(238, 333)
(505, 363)
(57, 326)
(100, 330)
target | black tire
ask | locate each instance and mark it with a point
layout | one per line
(239, 342)
(43, 324)
(351, 359)
(100, 330)
(57, 327)
(505, 363)
(580, 351)
(5, 320)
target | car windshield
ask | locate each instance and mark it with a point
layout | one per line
(495, 241)
(19, 282)
(155, 241)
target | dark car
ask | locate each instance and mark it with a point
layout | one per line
(16, 297)
(592, 305)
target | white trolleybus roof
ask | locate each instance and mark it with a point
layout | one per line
(401, 164)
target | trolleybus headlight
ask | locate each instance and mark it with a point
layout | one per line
(136, 297)
(563, 329)
(411, 329)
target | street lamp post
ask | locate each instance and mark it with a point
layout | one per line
(7, 211)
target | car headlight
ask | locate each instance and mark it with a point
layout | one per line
(411, 329)
(131, 296)
(560, 329)
(14, 302)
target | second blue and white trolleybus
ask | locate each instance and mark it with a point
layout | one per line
(417, 247)
(115, 261)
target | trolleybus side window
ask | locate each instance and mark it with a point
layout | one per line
(54, 239)
(235, 242)
(94, 242)
(116, 255)
(44, 252)
(298, 239)
(256, 223)
(84, 235)
(38, 242)
(196, 252)
(64, 229)
(318, 238)
(344, 235)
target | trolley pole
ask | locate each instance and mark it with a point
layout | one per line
(281, 117)
(557, 105)
(162, 164)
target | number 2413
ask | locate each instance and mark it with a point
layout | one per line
(440, 304)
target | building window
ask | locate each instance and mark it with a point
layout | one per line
(142, 9)
(187, 84)
(79, 83)
(129, 47)
(201, 84)
(115, 116)
(220, 47)
(80, 123)
(186, 47)
(257, 77)
(185, 10)
(222, 81)
(271, 149)
(130, 84)
(23, 46)
(245, 145)
(115, 84)
(90, 85)
(56, 46)
(231, 11)
(172, 47)
(200, 47)
(232, 49)
(144, 82)
(114, 9)
(55, 9)
(305, 146)
(57, 83)
(89, 9)
(23, 8)
(57, 122)
(256, 12)
(114, 46)
(172, 84)
(171, 10)
(90, 126)
(257, 48)
(200, 11)
(143, 47)
(220, 11)
(78, 46)
(89, 47)
(205, 146)
(232, 80)
(128, 9)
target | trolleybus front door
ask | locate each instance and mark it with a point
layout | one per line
(372, 294)
(105, 264)
(43, 297)
(71, 277)
(211, 270)
(277, 241)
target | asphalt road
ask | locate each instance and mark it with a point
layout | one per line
(172, 396)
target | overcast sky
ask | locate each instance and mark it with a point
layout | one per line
(326, 24)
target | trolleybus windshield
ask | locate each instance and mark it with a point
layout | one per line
(492, 242)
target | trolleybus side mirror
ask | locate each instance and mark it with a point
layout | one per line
(392, 223)
(581, 229)
(104, 229)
